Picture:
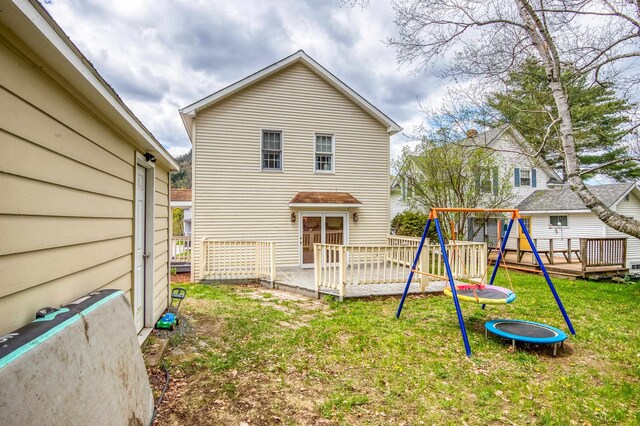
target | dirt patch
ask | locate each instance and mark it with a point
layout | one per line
(181, 278)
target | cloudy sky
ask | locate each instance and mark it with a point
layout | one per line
(165, 54)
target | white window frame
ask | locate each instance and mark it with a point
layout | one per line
(552, 225)
(281, 169)
(333, 153)
(530, 174)
(486, 172)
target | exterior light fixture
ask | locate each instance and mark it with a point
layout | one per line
(149, 157)
(293, 216)
(355, 217)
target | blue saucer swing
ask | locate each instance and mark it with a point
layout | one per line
(515, 330)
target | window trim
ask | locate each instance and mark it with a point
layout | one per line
(333, 153)
(484, 170)
(552, 226)
(262, 169)
(530, 185)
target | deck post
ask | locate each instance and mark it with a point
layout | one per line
(424, 267)
(317, 264)
(533, 258)
(569, 260)
(413, 267)
(624, 253)
(454, 293)
(272, 249)
(546, 276)
(583, 253)
(343, 273)
(551, 251)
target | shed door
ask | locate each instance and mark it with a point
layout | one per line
(140, 253)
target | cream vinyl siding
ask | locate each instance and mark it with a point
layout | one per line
(66, 209)
(629, 208)
(235, 200)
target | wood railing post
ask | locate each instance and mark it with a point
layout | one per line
(551, 260)
(583, 253)
(202, 258)
(624, 253)
(424, 267)
(569, 260)
(342, 285)
(273, 263)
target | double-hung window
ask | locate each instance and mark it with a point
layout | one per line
(271, 150)
(324, 153)
(525, 177)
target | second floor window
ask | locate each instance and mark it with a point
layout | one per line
(271, 150)
(525, 177)
(324, 153)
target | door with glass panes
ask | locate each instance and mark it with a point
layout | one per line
(320, 227)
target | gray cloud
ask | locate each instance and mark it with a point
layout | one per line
(160, 56)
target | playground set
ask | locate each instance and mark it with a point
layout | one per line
(489, 294)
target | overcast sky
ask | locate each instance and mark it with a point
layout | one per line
(165, 54)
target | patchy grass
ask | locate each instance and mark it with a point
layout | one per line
(268, 357)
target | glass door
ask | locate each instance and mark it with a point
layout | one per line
(329, 228)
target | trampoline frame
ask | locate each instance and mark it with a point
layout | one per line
(558, 339)
(509, 296)
(515, 215)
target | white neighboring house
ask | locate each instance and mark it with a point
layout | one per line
(289, 155)
(181, 199)
(559, 213)
(541, 197)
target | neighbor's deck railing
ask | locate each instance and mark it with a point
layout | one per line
(603, 252)
(339, 266)
(181, 249)
(237, 260)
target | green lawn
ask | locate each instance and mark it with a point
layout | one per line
(248, 354)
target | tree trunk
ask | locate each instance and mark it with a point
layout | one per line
(550, 58)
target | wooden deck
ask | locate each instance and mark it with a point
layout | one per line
(560, 267)
(303, 281)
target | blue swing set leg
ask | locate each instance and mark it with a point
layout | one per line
(445, 259)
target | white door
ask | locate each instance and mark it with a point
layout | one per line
(140, 255)
(329, 228)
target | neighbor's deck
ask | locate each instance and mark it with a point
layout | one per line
(560, 266)
(302, 280)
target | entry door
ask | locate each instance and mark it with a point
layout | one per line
(524, 244)
(329, 228)
(140, 253)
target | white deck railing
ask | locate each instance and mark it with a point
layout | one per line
(237, 260)
(339, 266)
(181, 249)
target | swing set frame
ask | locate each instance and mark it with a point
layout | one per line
(515, 216)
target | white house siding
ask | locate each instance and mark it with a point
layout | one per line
(66, 209)
(629, 208)
(509, 157)
(234, 200)
(581, 225)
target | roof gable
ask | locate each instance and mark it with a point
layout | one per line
(189, 112)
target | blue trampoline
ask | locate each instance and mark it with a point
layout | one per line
(526, 331)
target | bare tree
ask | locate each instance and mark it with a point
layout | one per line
(487, 39)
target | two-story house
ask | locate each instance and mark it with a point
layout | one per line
(293, 155)
(549, 208)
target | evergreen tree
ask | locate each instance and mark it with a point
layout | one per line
(600, 119)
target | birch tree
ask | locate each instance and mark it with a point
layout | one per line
(599, 39)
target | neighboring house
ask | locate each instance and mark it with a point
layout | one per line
(85, 186)
(181, 199)
(525, 173)
(559, 213)
(541, 196)
(292, 155)
(396, 199)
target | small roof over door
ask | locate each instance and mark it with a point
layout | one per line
(324, 199)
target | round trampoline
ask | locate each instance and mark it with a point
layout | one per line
(487, 295)
(526, 331)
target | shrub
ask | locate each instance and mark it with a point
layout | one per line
(411, 224)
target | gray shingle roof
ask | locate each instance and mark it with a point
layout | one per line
(565, 199)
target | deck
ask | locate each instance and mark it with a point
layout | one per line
(560, 266)
(302, 280)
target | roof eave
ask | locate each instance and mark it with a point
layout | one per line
(30, 20)
(332, 205)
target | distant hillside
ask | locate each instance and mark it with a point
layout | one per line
(182, 178)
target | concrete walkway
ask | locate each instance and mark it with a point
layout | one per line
(302, 281)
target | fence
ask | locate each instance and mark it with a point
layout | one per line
(237, 260)
(603, 252)
(180, 249)
(338, 266)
